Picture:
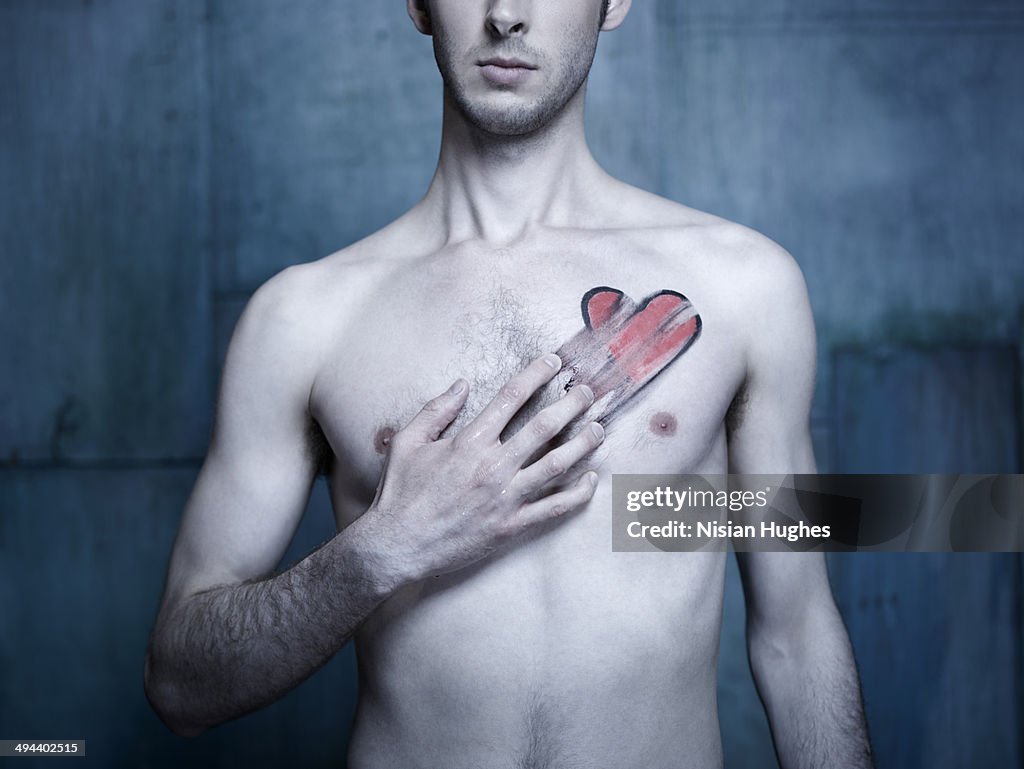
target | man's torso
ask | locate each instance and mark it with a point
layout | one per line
(556, 652)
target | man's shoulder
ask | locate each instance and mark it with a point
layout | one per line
(275, 330)
(301, 310)
(738, 278)
(743, 281)
(739, 254)
(285, 301)
(299, 294)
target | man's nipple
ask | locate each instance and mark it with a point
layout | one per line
(382, 438)
(662, 424)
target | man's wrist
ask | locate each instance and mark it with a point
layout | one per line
(375, 561)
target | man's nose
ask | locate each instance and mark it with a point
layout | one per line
(507, 18)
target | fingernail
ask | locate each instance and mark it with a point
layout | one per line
(592, 479)
(597, 430)
(587, 392)
(458, 387)
(553, 360)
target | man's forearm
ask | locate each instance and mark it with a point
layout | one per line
(231, 649)
(807, 679)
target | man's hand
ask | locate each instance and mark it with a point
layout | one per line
(444, 503)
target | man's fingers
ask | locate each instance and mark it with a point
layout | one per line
(512, 396)
(437, 414)
(561, 459)
(548, 423)
(559, 503)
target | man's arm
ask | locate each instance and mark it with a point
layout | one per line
(800, 652)
(229, 639)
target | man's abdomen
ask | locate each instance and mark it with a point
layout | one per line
(558, 654)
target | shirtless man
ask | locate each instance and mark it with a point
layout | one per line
(494, 626)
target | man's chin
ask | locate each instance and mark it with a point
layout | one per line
(505, 117)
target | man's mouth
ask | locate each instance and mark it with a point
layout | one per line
(505, 71)
(506, 63)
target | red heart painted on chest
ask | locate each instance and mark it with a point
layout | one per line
(625, 345)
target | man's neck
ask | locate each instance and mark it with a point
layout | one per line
(496, 188)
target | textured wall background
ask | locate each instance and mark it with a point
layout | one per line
(160, 159)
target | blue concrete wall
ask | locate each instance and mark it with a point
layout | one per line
(159, 160)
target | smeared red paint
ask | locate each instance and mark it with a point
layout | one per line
(662, 352)
(599, 305)
(382, 439)
(624, 345)
(655, 335)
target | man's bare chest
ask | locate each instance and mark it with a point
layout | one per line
(663, 375)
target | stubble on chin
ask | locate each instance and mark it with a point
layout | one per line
(565, 75)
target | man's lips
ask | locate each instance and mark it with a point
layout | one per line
(507, 62)
(501, 71)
